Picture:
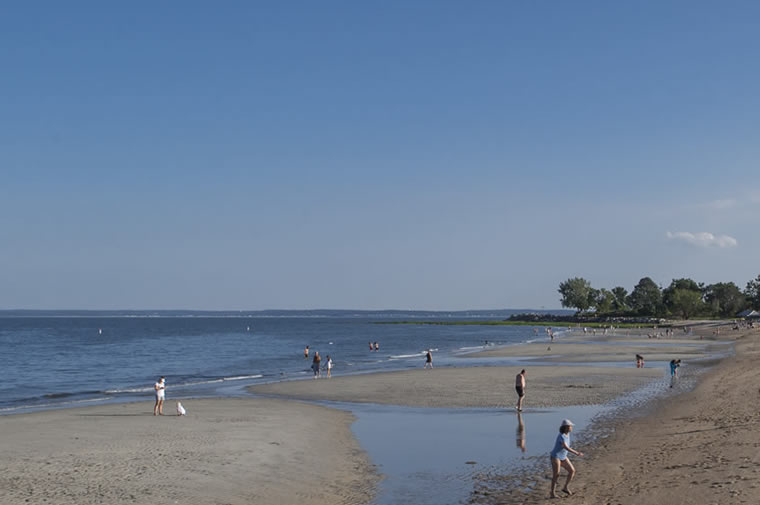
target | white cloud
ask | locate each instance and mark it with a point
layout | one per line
(722, 204)
(703, 239)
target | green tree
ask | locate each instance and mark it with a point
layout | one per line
(724, 299)
(646, 298)
(620, 293)
(686, 302)
(603, 300)
(576, 293)
(668, 294)
(752, 293)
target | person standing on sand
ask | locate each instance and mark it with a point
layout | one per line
(160, 388)
(315, 364)
(560, 460)
(520, 388)
(639, 361)
(328, 365)
(674, 364)
(428, 359)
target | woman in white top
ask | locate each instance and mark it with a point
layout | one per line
(160, 387)
(329, 366)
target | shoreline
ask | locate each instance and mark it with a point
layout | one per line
(691, 446)
(291, 410)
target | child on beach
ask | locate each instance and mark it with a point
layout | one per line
(674, 364)
(560, 460)
(329, 365)
(639, 361)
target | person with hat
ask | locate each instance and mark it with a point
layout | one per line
(559, 457)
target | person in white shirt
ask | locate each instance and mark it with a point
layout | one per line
(160, 388)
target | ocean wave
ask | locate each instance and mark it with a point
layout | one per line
(404, 356)
(416, 355)
(182, 384)
(241, 377)
(56, 404)
(128, 390)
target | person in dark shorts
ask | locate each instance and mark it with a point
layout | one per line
(428, 359)
(520, 388)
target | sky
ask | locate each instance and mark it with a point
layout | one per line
(436, 155)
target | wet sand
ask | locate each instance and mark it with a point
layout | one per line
(491, 386)
(575, 349)
(226, 451)
(697, 447)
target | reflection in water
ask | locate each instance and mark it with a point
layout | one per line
(430, 456)
(520, 434)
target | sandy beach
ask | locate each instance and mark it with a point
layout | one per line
(491, 386)
(694, 448)
(274, 450)
(226, 451)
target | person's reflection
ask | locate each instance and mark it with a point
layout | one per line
(520, 435)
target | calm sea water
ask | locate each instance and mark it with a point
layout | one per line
(61, 361)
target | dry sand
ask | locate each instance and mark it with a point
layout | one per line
(226, 451)
(695, 448)
(471, 386)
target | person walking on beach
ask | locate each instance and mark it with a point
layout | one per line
(160, 389)
(329, 365)
(306, 353)
(560, 460)
(639, 361)
(520, 388)
(674, 364)
(428, 359)
(315, 364)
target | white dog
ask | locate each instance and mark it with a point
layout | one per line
(181, 410)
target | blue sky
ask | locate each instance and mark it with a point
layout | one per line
(424, 154)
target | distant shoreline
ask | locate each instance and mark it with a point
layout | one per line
(526, 323)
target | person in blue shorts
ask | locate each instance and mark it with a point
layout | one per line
(560, 460)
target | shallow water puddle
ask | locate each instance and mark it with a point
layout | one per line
(430, 456)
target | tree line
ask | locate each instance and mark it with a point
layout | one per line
(684, 298)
